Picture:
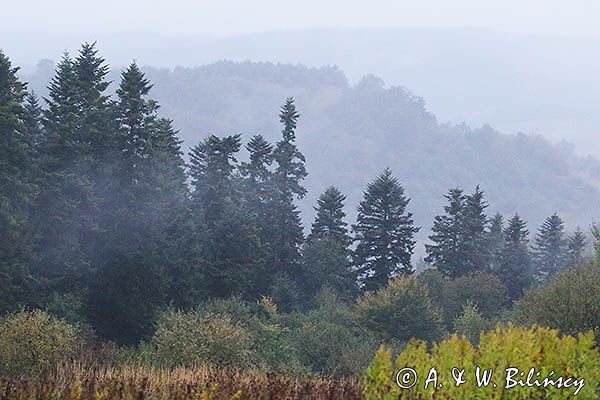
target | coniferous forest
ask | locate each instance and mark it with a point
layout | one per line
(122, 255)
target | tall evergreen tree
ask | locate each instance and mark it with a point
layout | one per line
(326, 255)
(495, 239)
(72, 177)
(33, 120)
(447, 236)
(147, 196)
(515, 267)
(550, 247)
(384, 233)
(258, 198)
(261, 157)
(233, 254)
(329, 222)
(460, 237)
(287, 234)
(576, 243)
(16, 191)
(476, 245)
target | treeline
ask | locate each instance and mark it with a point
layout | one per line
(104, 223)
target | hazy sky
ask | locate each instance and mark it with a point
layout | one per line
(230, 17)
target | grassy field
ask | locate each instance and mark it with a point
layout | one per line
(129, 383)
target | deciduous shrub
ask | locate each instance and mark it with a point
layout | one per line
(400, 311)
(523, 348)
(34, 342)
(327, 340)
(568, 302)
(470, 323)
(485, 290)
(196, 338)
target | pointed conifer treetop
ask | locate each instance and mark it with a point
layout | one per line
(384, 232)
(329, 222)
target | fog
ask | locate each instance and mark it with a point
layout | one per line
(519, 66)
(230, 17)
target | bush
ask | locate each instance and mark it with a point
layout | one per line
(539, 348)
(197, 338)
(327, 340)
(470, 323)
(34, 342)
(450, 295)
(568, 302)
(400, 311)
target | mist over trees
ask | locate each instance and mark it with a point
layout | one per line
(108, 228)
(351, 133)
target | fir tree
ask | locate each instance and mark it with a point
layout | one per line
(576, 243)
(329, 222)
(212, 163)
(495, 239)
(286, 228)
(261, 157)
(147, 201)
(233, 254)
(326, 255)
(550, 247)
(290, 161)
(77, 130)
(33, 120)
(476, 252)
(460, 238)
(384, 233)
(16, 192)
(447, 236)
(514, 266)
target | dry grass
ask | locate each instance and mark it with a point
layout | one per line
(129, 383)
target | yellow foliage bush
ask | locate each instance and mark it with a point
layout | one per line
(543, 349)
(33, 342)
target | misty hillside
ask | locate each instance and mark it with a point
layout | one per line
(540, 84)
(349, 133)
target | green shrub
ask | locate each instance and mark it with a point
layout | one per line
(34, 342)
(327, 340)
(568, 302)
(400, 311)
(450, 295)
(522, 348)
(470, 323)
(198, 338)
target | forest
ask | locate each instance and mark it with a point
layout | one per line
(129, 269)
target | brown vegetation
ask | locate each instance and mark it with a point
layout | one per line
(128, 383)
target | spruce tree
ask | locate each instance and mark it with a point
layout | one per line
(550, 247)
(329, 222)
(446, 252)
(460, 237)
(16, 191)
(476, 245)
(33, 120)
(576, 243)
(384, 233)
(258, 198)
(232, 251)
(515, 268)
(72, 178)
(147, 196)
(261, 157)
(286, 227)
(326, 255)
(495, 240)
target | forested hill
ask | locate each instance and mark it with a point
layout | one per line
(351, 133)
